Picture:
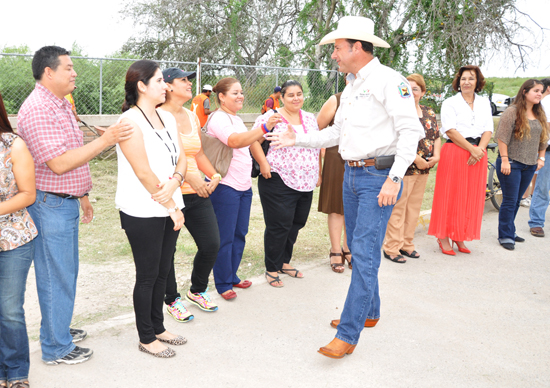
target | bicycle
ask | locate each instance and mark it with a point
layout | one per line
(493, 190)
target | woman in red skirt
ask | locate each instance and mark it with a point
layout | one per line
(459, 196)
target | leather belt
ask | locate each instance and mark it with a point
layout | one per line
(62, 195)
(471, 140)
(360, 163)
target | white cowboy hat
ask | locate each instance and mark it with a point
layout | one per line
(356, 28)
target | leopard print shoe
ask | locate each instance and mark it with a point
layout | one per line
(166, 353)
(179, 340)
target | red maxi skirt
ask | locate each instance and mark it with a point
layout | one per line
(459, 196)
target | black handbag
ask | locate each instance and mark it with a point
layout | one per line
(255, 165)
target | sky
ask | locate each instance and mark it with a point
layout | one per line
(99, 29)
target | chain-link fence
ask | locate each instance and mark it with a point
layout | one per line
(100, 82)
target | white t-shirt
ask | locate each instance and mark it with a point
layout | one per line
(545, 102)
(162, 150)
(457, 114)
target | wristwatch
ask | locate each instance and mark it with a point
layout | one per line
(395, 178)
(542, 158)
(173, 209)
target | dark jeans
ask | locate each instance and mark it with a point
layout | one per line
(200, 221)
(14, 342)
(513, 186)
(153, 242)
(232, 208)
(285, 213)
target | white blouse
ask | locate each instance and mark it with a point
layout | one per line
(457, 114)
(162, 151)
(546, 106)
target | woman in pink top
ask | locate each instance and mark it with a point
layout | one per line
(233, 197)
(286, 184)
(200, 219)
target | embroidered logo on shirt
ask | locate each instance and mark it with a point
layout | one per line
(404, 90)
(365, 93)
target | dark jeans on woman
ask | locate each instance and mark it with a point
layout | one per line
(200, 221)
(513, 186)
(153, 242)
(285, 213)
(14, 342)
(232, 209)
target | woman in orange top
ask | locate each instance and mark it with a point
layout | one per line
(200, 219)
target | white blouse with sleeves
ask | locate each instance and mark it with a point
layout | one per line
(457, 114)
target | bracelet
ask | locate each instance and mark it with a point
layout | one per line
(503, 156)
(176, 178)
(217, 175)
(264, 128)
(181, 175)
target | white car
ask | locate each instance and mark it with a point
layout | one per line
(499, 103)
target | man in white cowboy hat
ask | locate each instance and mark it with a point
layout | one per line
(377, 130)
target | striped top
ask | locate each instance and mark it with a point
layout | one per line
(191, 145)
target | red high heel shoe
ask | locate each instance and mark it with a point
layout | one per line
(463, 250)
(450, 253)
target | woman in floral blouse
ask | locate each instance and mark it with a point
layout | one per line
(286, 184)
(402, 223)
(17, 191)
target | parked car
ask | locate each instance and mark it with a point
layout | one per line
(499, 103)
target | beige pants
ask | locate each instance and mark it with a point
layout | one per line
(404, 217)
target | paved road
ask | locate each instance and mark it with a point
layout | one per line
(478, 320)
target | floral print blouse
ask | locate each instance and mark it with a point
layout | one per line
(17, 228)
(298, 167)
(426, 145)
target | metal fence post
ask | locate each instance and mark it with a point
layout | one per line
(100, 86)
(276, 77)
(336, 84)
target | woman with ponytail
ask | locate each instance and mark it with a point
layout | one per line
(151, 167)
(522, 135)
(233, 196)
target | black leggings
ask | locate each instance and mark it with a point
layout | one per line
(200, 221)
(153, 242)
(285, 212)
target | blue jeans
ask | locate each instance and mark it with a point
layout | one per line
(56, 268)
(366, 224)
(513, 186)
(14, 342)
(541, 196)
(232, 208)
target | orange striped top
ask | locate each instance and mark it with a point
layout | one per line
(192, 145)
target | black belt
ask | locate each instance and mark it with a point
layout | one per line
(62, 195)
(471, 140)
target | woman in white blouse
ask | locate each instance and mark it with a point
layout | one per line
(151, 166)
(459, 196)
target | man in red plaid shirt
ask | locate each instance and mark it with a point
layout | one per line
(63, 181)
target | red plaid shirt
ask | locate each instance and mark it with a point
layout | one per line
(49, 128)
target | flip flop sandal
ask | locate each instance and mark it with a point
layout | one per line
(276, 279)
(396, 259)
(412, 255)
(19, 384)
(296, 272)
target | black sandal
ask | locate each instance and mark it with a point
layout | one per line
(396, 259)
(412, 255)
(344, 253)
(296, 272)
(336, 267)
(276, 279)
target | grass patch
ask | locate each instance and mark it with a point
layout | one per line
(509, 86)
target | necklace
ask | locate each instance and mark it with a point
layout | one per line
(174, 158)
